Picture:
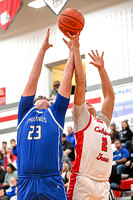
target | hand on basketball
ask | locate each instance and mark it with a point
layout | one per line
(98, 60)
(46, 45)
(74, 39)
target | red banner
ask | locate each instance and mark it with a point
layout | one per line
(2, 96)
(8, 10)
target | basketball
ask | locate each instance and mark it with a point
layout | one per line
(71, 20)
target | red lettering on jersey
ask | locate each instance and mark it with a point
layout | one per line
(100, 157)
(102, 131)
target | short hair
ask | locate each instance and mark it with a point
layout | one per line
(12, 140)
(64, 135)
(113, 124)
(40, 97)
(56, 83)
(4, 142)
(70, 127)
(12, 167)
(116, 140)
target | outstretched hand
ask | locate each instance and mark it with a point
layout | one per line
(74, 41)
(98, 60)
(68, 43)
(46, 45)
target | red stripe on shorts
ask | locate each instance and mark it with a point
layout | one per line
(71, 186)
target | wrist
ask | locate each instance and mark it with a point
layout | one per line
(101, 68)
(76, 48)
(43, 49)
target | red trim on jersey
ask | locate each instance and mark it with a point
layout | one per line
(86, 126)
(8, 118)
(71, 186)
(79, 147)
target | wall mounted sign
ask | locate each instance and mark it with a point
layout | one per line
(8, 11)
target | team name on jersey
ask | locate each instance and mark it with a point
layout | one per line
(37, 119)
(100, 157)
(101, 130)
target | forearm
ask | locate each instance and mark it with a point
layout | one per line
(37, 67)
(106, 84)
(79, 97)
(79, 72)
(65, 87)
(121, 161)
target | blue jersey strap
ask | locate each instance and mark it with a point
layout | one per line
(25, 117)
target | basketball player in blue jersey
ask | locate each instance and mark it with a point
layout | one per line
(40, 127)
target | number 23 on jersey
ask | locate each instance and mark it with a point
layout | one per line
(34, 133)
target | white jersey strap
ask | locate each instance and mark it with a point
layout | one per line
(25, 117)
(54, 119)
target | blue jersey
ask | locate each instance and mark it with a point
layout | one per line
(123, 153)
(71, 139)
(39, 137)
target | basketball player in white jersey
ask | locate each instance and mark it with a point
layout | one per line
(93, 163)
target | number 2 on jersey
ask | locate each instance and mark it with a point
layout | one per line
(104, 144)
(38, 133)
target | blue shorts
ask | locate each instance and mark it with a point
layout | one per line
(44, 188)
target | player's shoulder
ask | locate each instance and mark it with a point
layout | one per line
(103, 119)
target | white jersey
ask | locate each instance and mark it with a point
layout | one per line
(93, 145)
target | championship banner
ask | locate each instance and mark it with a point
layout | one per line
(8, 11)
(56, 5)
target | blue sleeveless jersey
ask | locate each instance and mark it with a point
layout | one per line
(39, 137)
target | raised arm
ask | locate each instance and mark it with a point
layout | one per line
(65, 86)
(79, 95)
(108, 93)
(31, 85)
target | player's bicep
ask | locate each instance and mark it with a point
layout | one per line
(30, 88)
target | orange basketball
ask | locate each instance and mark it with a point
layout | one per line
(71, 20)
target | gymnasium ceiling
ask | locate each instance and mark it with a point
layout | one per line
(30, 19)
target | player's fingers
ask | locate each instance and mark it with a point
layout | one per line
(97, 53)
(50, 45)
(91, 63)
(47, 34)
(70, 36)
(102, 54)
(91, 56)
(93, 53)
(64, 41)
(77, 36)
